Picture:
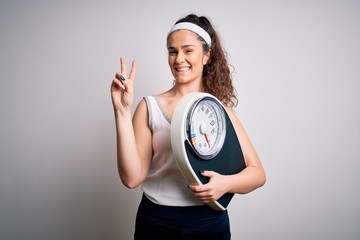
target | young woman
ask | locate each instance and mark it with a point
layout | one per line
(170, 209)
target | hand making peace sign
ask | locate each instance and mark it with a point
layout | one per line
(122, 87)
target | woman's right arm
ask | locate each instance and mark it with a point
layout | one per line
(133, 136)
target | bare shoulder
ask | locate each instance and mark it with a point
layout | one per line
(239, 129)
(234, 119)
(141, 108)
(141, 113)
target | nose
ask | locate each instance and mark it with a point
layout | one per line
(180, 57)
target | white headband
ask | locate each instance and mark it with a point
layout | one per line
(194, 28)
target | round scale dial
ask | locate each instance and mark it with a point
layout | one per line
(206, 127)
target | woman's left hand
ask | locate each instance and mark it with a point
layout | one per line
(211, 191)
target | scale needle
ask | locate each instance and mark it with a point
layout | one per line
(207, 140)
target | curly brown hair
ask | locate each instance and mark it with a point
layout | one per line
(217, 78)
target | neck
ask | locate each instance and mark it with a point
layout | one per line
(181, 89)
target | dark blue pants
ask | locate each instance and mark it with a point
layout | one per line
(159, 222)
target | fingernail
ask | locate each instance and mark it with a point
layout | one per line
(122, 78)
(201, 171)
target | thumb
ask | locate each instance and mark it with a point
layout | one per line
(206, 173)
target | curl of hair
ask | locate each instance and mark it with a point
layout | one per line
(217, 78)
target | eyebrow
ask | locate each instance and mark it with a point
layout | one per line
(182, 47)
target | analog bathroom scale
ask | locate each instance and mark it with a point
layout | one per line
(203, 138)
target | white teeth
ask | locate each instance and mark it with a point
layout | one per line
(182, 69)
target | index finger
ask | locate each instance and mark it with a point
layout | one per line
(133, 70)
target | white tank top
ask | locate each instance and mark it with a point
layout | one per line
(164, 183)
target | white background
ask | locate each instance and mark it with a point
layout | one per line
(297, 73)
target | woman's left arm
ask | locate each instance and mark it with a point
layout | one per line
(253, 176)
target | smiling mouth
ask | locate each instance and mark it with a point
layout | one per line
(182, 69)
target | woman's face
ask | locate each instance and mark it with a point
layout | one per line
(186, 56)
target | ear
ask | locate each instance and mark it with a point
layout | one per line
(206, 57)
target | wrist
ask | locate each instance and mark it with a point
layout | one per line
(122, 113)
(228, 183)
